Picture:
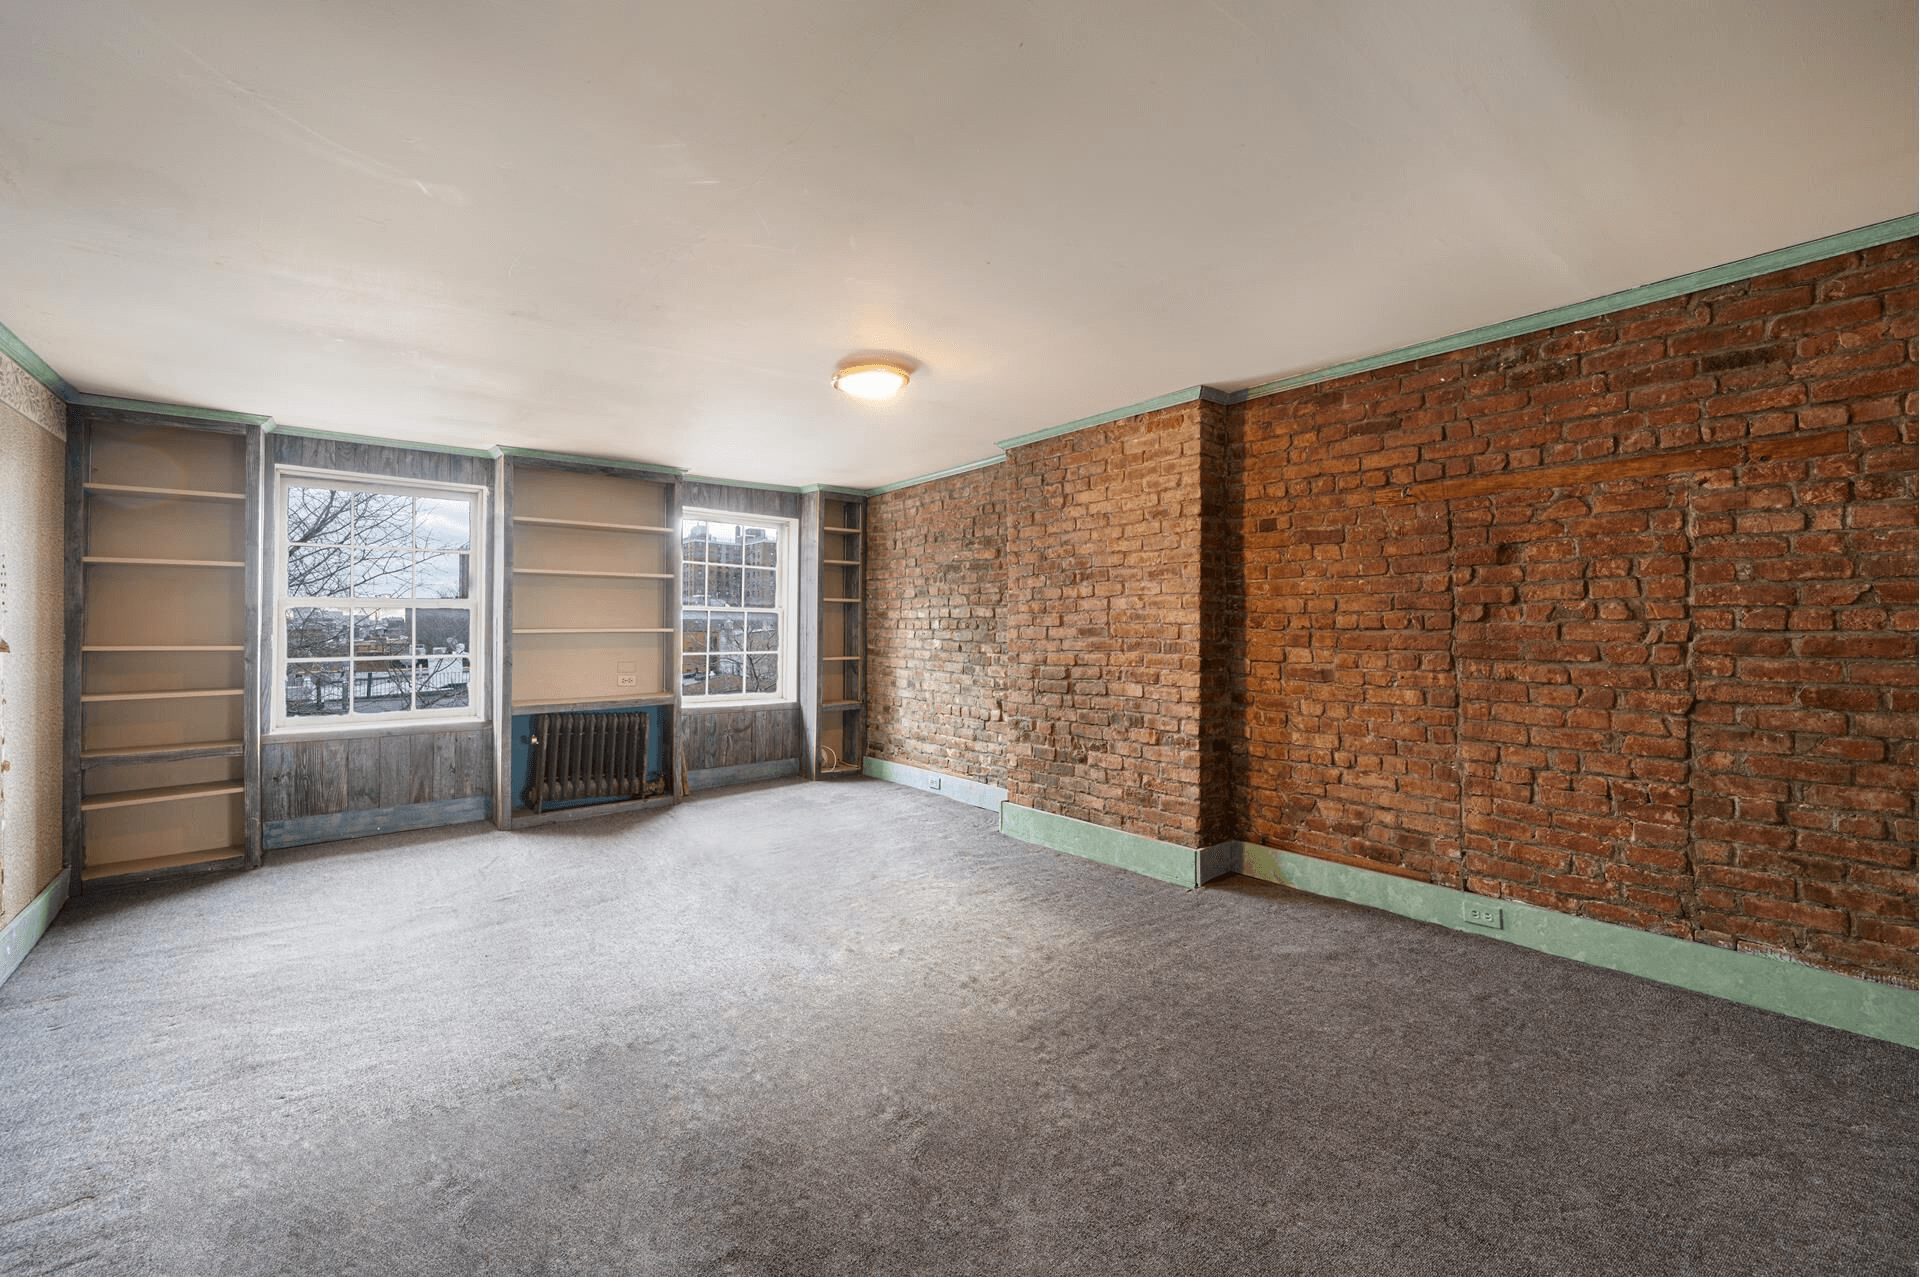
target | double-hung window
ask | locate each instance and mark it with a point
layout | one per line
(377, 603)
(736, 608)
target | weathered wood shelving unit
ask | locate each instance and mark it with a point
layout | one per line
(163, 577)
(833, 689)
(588, 617)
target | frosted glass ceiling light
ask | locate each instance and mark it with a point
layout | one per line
(871, 380)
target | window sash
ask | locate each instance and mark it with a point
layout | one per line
(446, 668)
(782, 608)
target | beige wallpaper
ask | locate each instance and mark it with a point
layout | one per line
(32, 461)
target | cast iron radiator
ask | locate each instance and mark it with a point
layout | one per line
(586, 756)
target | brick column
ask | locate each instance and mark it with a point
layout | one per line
(1107, 625)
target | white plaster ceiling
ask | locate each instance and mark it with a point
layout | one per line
(650, 230)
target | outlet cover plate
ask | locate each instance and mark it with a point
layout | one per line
(626, 680)
(1481, 914)
(933, 782)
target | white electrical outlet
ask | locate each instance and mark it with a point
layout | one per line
(933, 782)
(626, 680)
(1476, 914)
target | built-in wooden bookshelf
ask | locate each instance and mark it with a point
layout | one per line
(160, 697)
(836, 697)
(590, 616)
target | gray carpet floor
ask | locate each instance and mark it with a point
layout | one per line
(850, 1028)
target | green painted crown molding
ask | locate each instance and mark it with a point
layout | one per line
(1853, 241)
(748, 483)
(537, 454)
(81, 399)
(1190, 395)
(948, 473)
(1662, 290)
(1711, 277)
(376, 441)
(36, 367)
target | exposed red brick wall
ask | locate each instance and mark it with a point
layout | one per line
(1617, 619)
(936, 639)
(1104, 568)
(1222, 624)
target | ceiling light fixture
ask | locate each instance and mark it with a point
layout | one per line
(871, 380)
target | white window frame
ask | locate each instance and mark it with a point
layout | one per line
(786, 603)
(479, 625)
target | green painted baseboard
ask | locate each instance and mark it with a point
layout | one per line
(1163, 860)
(1751, 979)
(974, 793)
(19, 936)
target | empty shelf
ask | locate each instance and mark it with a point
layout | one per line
(163, 753)
(137, 490)
(163, 647)
(841, 563)
(839, 600)
(168, 794)
(839, 658)
(88, 698)
(119, 868)
(839, 704)
(626, 576)
(165, 563)
(855, 531)
(581, 523)
(598, 630)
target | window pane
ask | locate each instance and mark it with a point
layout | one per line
(442, 630)
(693, 676)
(319, 514)
(381, 519)
(316, 631)
(763, 631)
(316, 573)
(724, 632)
(723, 543)
(442, 683)
(382, 687)
(440, 523)
(759, 587)
(693, 631)
(382, 574)
(440, 576)
(316, 689)
(763, 673)
(387, 548)
(693, 584)
(762, 547)
(693, 541)
(723, 586)
(384, 632)
(723, 676)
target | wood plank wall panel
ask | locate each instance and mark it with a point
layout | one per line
(374, 773)
(735, 737)
(739, 500)
(381, 459)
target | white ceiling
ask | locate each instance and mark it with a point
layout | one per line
(651, 230)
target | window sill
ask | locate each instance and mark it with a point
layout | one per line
(344, 731)
(705, 703)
